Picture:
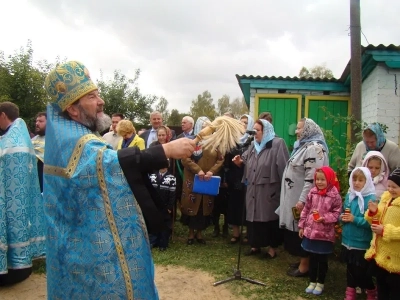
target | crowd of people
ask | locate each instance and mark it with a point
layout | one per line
(96, 205)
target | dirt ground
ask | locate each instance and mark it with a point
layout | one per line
(168, 279)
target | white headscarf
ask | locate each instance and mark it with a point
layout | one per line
(199, 124)
(368, 189)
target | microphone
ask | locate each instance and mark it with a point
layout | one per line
(251, 132)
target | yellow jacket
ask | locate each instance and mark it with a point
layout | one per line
(385, 249)
(137, 141)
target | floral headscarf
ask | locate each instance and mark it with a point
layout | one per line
(268, 135)
(368, 189)
(380, 136)
(384, 173)
(199, 124)
(167, 132)
(331, 179)
(311, 133)
(250, 125)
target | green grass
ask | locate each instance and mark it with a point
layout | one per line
(218, 258)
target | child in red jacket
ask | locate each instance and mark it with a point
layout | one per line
(317, 225)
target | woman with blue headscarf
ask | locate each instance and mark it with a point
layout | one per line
(310, 152)
(264, 162)
(197, 208)
(374, 140)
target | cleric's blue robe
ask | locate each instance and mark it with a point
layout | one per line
(22, 234)
(97, 240)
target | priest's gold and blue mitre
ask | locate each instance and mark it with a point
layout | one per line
(69, 82)
(97, 240)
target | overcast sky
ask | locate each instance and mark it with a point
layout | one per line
(184, 47)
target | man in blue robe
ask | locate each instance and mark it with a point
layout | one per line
(99, 204)
(22, 233)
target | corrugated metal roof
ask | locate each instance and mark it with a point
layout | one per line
(390, 47)
(381, 47)
(346, 71)
(287, 78)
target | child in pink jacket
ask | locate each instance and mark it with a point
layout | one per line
(317, 225)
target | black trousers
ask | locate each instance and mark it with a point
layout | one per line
(359, 276)
(388, 284)
(220, 208)
(15, 276)
(318, 267)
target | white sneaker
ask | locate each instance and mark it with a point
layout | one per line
(311, 287)
(318, 289)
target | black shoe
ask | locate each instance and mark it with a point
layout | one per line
(190, 241)
(294, 265)
(252, 252)
(162, 249)
(296, 273)
(201, 241)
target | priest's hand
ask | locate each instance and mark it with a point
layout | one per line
(180, 148)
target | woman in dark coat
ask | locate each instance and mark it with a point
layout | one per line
(234, 175)
(264, 162)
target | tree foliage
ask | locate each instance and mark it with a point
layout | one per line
(203, 106)
(162, 107)
(21, 82)
(223, 105)
(239, 107)
(122, 95)
(319, 71)
(175, 118)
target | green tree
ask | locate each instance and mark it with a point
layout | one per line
(203, 106)
(223, 105)
(21, 82)
(162, 107)
(319, 71)
(239, 107)
(175, 118)
(122, 95)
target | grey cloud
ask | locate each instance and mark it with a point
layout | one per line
(190, 46)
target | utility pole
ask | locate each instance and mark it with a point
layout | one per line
(355, 67)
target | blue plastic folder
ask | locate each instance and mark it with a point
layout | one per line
(210, 187)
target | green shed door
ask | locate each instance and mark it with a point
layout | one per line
(284, 113)
(323, 117)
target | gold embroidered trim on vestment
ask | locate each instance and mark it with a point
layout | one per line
(74, 159)
(113, 225)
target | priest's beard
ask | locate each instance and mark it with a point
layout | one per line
(94, 123)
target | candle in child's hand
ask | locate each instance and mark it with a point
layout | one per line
(375, 221)
(315, 215)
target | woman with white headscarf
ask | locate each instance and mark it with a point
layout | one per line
(264, 162)
(197, 208)
(310, 152)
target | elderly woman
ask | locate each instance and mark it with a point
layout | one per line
(374, 140)
(197, 208)
(126, 129)
(310, 152)
(264, 162)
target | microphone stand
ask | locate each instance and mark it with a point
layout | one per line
(237, 274)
